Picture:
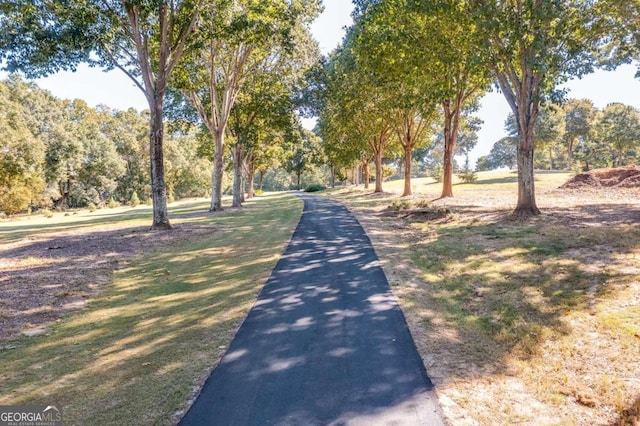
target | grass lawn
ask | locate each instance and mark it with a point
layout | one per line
(142, 347)
(534, 322)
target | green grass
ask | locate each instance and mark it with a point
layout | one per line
(135, 355)
(15, 229)
(497, 179)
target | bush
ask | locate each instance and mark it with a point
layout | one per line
(437, 172)
(315, 188)
(399, 205)
(423, 203)
(170, 199)
(112, 203)
(92, 207)
(258, 192)
(47, 213)
(134, 201)
(468, 176)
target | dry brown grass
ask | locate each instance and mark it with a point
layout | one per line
(533, 322)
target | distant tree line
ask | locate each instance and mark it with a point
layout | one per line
(574, 135)
(64, 154)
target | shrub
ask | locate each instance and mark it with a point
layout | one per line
(423, 203)
(47, 213)
(112, 203)
(134, 201)
(468, 176)
(437, 172)
(398, 205)
(315, 188)
(258, 192)
(170, 199)
(92, 207)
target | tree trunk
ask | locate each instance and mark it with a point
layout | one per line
(447, 175)
(523, 95)
(237, 176)
(526, 184)
(451, 126)
(570, 154)
(333, 176)
(218, 170)
(365, 173)
(261, 180)
(250, 178)
(242, 186)
(158, 188)
(408, 149)
(379, 171)
(298, 178)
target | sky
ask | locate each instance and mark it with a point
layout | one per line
(116, 90)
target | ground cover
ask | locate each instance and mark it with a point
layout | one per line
(534, 322)
(153, 311)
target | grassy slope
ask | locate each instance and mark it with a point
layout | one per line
(497, 180)
(529, 323)
(136, 354)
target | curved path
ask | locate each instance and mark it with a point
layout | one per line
(325, 343)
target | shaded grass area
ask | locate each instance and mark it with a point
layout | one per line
(138, 352)
(30, 226)
(518, 322)
(544, 303)
(513, 284)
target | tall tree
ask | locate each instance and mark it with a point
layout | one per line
(549, 132)
(504, 153)
(619, 130)
(382, 33)
(48, 122)
(535, 45)
(21, 157)
(144, 38)
(579, 117)
(234, 39)
(129, 132)
(355, 118)
(99, 167)
(451, 45)
(302, 153)
(264, 111)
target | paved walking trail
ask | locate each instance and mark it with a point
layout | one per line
(325, 343)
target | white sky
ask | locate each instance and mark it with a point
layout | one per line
(117, 91)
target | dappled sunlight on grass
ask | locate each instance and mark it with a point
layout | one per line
(136, 353)
(521, 296)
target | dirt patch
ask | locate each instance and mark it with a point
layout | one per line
(438, 214)
(620, 177)
(46, 277)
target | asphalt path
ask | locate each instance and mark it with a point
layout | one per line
(324, 344)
